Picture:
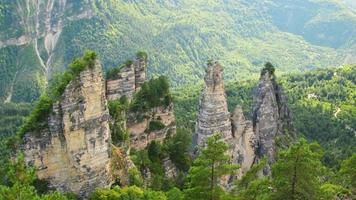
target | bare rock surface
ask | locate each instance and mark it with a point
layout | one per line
(73, 153)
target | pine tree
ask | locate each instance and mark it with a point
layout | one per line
(296, 173)
(207, 170)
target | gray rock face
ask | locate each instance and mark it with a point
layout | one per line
(213, 116)
(248, 141)
(140, 72)
(74, 152)
(129, 80)
(271, 117)
(124, 85)
(244, 141)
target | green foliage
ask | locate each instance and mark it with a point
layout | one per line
(135, 177)
(38, 116)
(348, 173)
(207, 169)
(331, 191)
(250, 176)
(268, 68)
(178, 149)
(127, 193)
(156, 125)
(142, 55)
(175, 194)
(21, 180)
(153, 93)
(12, 116)
(296, 173)
(117, 110)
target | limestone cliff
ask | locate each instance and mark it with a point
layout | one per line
(73, 152)
(128, 80)
(271, 117)
(140, 126)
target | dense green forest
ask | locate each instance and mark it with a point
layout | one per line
(180, 36)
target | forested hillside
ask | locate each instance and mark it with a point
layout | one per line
(39, 38)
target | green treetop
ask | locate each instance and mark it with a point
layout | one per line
(209, 167)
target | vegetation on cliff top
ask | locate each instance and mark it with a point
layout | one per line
(41, 111)
(153, 93)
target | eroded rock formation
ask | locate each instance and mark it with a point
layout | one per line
(128, 80)
(73, 153)
(213, 113)
(214, 117)
(249, 141)
(141, 134)
(271, 117)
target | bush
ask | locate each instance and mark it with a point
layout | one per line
(156, 125)
(117, 109)
(141, 55)
(153, 93)
(268, 68)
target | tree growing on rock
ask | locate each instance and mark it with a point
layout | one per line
(208, 168)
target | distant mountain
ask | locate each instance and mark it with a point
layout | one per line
(39, 38)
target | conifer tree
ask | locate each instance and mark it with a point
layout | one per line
(208, 169)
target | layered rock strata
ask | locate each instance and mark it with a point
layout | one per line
(128, 80)
(271, 117)
(213, 116)
(141, 134)
(73, 153)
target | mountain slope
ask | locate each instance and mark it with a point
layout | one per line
(39, 38)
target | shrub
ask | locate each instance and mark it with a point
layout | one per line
(268, 68)
(153, 93)
(156, 125)
(141, 55)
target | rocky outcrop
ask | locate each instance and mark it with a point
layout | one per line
(128, 80)
(123, 85)
(73, 153)
(271, 117)
(140, 128)
(213, 113)
(214, 117)
(243, 140)
(249, 141)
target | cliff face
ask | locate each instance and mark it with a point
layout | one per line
(74, 152)
(128, 80)
(140, 130)
(271, 117)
